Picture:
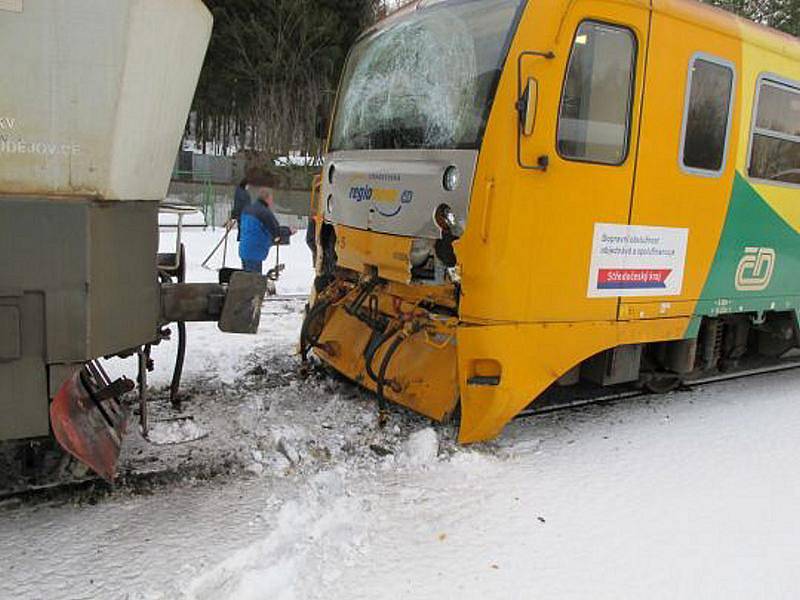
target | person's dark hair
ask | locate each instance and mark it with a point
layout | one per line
(263, 180)
(243, 183)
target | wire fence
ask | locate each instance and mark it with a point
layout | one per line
(206, 200)
(215, 201)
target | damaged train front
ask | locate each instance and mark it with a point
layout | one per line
(395, 196)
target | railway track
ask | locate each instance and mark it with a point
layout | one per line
(89, 489)
(603, 396)
(55, 485)
(283, 304)
(299, 298)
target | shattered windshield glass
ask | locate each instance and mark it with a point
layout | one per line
(425, 80)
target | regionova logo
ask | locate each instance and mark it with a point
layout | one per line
(756, 269)
(388, 202)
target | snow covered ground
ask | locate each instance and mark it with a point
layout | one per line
(208, 349)
(301, 495)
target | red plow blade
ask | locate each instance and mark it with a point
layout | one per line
(88, 420)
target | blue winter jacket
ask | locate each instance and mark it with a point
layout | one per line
(259, 228)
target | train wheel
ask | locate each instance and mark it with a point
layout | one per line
(662, 383)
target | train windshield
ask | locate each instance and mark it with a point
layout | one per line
(426, 79)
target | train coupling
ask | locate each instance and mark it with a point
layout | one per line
(234, 305)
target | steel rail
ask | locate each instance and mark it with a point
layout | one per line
(639, 393)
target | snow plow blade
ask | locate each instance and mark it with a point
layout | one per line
(90, 424)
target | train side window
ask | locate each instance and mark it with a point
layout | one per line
(775, 145)
(707, 115)
(595, 114)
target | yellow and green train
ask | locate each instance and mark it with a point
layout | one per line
(519, 195)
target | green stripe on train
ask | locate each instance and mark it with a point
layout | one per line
(758, 248)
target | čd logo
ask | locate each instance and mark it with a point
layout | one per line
(755, 269)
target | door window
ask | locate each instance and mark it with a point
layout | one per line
(707, 117)
(595, 115)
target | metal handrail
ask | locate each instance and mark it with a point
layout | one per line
(316, 194)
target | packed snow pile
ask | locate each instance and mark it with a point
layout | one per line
(422, 448)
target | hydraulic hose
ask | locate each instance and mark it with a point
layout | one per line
(364, 291)
(177, 374)
(372, 351)
(387, 359)
(180, 357)
(307, 340)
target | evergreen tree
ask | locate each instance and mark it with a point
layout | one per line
(270, 65)
(783, 15)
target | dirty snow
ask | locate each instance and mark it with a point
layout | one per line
(175, 432)
(297, 493)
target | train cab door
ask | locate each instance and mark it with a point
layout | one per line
(687, 159)
(579, 104)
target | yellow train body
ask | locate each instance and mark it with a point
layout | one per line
(514, 317)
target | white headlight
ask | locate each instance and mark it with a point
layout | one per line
(452, 178)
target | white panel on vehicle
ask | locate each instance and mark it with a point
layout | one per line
(631, 260)
(96, 93)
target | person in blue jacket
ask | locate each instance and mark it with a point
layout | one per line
(258, 226)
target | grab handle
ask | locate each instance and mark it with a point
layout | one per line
(316, 193)
(487, 209)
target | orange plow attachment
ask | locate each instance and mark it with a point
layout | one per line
(403, 353)
(417, 371)
(88, 421)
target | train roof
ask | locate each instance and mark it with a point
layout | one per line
(727, 23)
(694, 11)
